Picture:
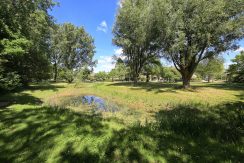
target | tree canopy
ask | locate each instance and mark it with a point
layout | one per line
(211, 68)
(185, 32)
(25, 30)
(134, 33)
(72, 48)
(236, 70)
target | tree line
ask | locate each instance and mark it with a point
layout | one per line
(187, 33)
(34, 48)
(191, 34)
(209, 70)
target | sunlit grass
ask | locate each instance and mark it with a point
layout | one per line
(156, 123)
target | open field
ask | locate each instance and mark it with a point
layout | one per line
(156, 123)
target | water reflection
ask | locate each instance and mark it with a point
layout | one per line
(99, 103)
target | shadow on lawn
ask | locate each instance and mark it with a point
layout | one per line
(24, 98)
(186, 133)
(44, 87)
(173, 87)
(168, 87)
(31, 135)
(19, 98)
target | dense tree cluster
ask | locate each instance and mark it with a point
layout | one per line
(24, 34)
(211, 68)
(72, 50)
(31, 44)
(191, 34)
(236, 70)
(184, 32)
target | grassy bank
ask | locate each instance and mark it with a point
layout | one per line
(157, 123)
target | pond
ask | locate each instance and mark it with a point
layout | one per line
(98, 103)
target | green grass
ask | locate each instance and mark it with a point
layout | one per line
(157, 123)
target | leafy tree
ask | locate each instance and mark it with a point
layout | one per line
(170, 74)
(121, 70)
(101, 76)
(152, 67)
(113, 74)
(68, 75)
(133, 32)
(194, 30)
(236, 70)
(210, 68)
(72, 49)
(56, 44)
(84, 74)
(24, 39)
(10, 81)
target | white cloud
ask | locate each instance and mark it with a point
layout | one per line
(240, 49)
(103, 26)
(105, 63)
(118, 52)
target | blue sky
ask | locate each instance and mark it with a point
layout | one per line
(97, 17)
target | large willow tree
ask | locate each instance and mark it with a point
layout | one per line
(134, 32)
(195, 30)
(186, 31)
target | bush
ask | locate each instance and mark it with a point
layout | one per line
(10, 81)
(67, 75)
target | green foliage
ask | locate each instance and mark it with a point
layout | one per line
(25, 28)
(68, 75)
(133, 32)
(9, 81)
(210, 68)
(71, 48)
(152, 67)
(101, 76)
(119, 72)
(170, 74)
(187, 32)
(194, 30)
(236, 70)
(84, 74)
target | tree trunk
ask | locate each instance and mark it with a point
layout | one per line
(55, 72)
(135, 78)
(186, 83)
(147, 78)
(186, 78)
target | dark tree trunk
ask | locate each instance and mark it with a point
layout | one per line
(186, 83)
(55, 72)
(135, 79)
(186, 78)
(148, 78)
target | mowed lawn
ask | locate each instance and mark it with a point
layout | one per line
(156, 122)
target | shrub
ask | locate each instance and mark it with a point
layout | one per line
(10, 81)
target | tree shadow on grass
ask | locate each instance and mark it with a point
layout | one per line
(20, 98)
(187, 133)
(157, 87)
(173, 87)
(44, 87)
(24, 98)
(69, 155)
(224, 86)
(31, 135)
